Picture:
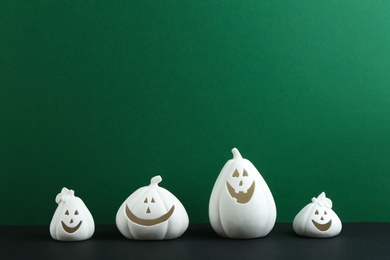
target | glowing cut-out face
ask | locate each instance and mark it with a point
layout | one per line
(321, 219)
(151, 211)
(241, 186)
(70, 221)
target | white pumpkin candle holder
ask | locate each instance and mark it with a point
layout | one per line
(152, 213)
(317, 219)
(241, 204)
(72, 220)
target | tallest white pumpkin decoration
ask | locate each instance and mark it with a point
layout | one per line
(241, 204)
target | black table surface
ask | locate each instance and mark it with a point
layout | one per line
(356, 241)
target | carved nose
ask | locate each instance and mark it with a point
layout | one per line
(148, 210)
(240, 184)
(322, 218)
(71, 221)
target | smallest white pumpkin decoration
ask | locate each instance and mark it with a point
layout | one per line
(72, 220)
(317, 219)
(152, 213)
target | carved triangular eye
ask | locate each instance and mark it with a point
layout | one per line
(245, 174)
(316, 212)
(152, 200)
(67, 213)
(146, 200)
(76, 212)
(325, 213)
(235, 174)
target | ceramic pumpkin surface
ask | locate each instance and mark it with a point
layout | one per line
(152, 213)
(241, 204)
(317, 219)
(72, 220)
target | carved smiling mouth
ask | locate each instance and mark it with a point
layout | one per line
(70, 230)
(322, 227)
(241, 197)
(149, 222)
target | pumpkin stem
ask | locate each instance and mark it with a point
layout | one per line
(236, 153)
(155, 180)
(64, 195)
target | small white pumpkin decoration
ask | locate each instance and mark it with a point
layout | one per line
(152, 213)
(72, 220)
(241, 204)
(317, 219)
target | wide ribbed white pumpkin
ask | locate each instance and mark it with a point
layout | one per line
(152, 213)
(317, 219)
(241, 204)
(72, 220)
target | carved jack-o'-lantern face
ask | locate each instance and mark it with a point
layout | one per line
(70, 221)
(150, 211)
(241, 186)
(321, 220)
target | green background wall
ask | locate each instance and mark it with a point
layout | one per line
(100, 96)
